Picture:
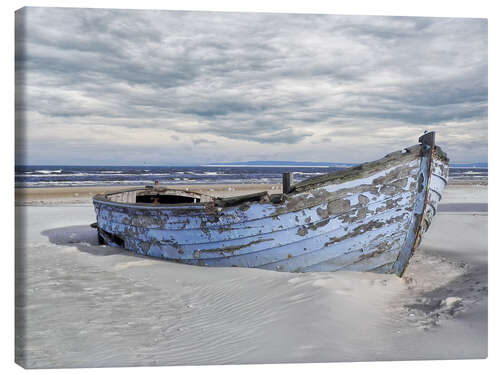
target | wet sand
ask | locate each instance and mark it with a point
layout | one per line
(79, 304)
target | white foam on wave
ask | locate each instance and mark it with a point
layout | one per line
(48, 171)
(473, 173)
(32, 174)
(213, 173)
(459, 167)
(80, 174)
(308, 173)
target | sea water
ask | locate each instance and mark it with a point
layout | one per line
(65, 176)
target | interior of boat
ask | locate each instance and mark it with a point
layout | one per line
(158, 196)
(167, 196)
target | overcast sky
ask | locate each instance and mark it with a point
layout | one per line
(165, 87)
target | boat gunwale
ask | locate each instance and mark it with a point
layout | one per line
(334, 178)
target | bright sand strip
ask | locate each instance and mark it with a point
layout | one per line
(83, 305)
(84, 194)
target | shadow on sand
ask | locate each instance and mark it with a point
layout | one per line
(84, 238)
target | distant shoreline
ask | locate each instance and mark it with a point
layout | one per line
(271, 166)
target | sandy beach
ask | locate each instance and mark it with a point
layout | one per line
(74, 195)
(79, 304)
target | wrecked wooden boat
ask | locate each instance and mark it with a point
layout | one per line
(366, 218)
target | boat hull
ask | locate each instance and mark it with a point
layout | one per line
(369, 218)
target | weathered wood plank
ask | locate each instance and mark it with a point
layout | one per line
(332, 229)
(309, 221)
(370, 250)
(366, 240)
(363, 170)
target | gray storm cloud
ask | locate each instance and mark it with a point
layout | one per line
(171, 87)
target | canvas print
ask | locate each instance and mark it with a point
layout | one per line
(199, 188)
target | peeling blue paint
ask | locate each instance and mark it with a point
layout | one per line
(368, 223)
